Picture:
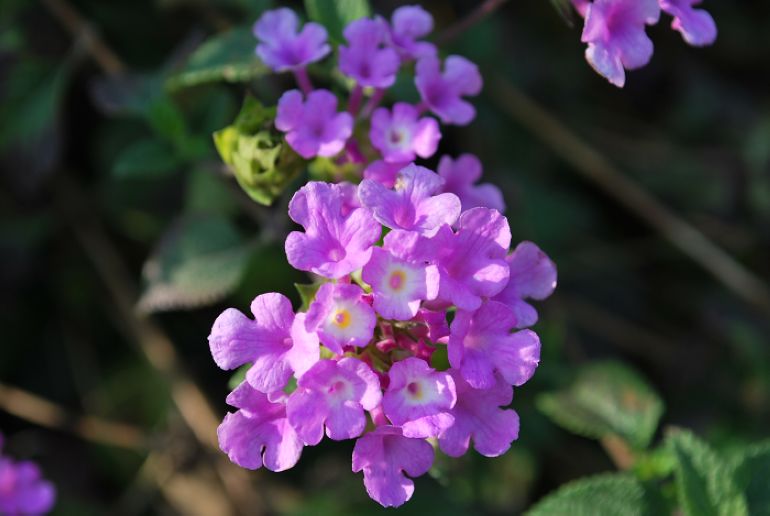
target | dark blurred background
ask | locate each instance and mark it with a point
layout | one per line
(114, 206)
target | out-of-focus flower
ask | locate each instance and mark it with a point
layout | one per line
(400, 135)
(314, 127)
(282, 47)
(459, 177)
(443, 92)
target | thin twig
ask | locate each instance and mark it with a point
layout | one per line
(43, 412)
(155, 345)
(477, 15)
(81, 30)
(595, 167)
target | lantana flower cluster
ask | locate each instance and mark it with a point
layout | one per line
(418, 331)
(23, 490)
(615, 31)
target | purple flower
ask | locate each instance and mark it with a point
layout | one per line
(533, 275)
(275, 342)
(282, 47)
(478, 415)
(481, 343)
(414, 205)
(313, 128)
(443, 92)
(259, 432)
(334, 394)
(419, 398)
(341, 317)
(614, 31)
(398, 285)
(336, 241)
(401, 135)
(23, 490)
(386, 457)
(365, 58)
(383, 172)
(471, 262)
(409, 23)
(696, 25)
(459, 176)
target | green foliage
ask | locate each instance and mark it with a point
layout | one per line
(752, 477)
(607, 495)
(144, 159)
(307, 292)
(262, 163)
(606, 398)
(200, 260)
(225, 57)
(705, 481)
(336, 14)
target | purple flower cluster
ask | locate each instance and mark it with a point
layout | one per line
(362, 357)
(413, 340)
(23, 491)
(615, 31)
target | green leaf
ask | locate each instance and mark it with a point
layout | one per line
(227, 57)
(605, 495)
(262, 163)
(200, 260)
(238, 377)
(752, 477)
(144, 159)
(307, 292)
(336, 14)
(207, 193)
(705, 482)
(606, 398)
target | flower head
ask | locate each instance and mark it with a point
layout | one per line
(313, 128)
(478, 415)
(401, 135)
(23, 490)
(386, 456)
(334, 395)
(533, 275)
(341, 317)
(696, 25)
(258, 433)
(414, 205)
(419, 398)
(459, 177)
(336, 241)
(481, 343)
(282, 47)
(443, 92)
(408, 24)
(616, 37)
(275, 342)
(366, 58)
(398, 285)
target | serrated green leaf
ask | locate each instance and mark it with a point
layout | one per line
(606, 398)
(227, 57)
(605, 495)
(307, 292)
(752, 477)
(336, 14)
(144, 159)
(200, 260)
(705, 482)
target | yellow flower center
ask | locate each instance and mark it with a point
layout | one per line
(415, 391)
(397, 279)
(341, 318)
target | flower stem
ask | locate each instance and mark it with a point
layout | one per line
(354, 104)
(303, 80)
